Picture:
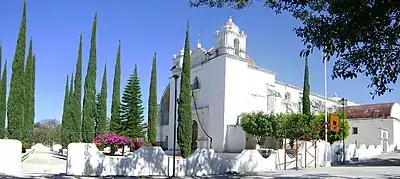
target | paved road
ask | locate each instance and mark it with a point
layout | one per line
(383, 166)
(42, 163)
(45, 164)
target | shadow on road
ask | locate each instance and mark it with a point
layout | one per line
(58, 176)
(59, 157)
(375, 162)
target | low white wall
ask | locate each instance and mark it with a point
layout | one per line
(10, 156)
(56, 147)
(360, 152)
(235, 139)
(84, 159)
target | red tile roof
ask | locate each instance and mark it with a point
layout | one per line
(382, 110)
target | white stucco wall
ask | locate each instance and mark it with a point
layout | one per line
(396, 132)
(211, 77)
(10, 156)
(162, 132)
(236, 139)
(211, 95)
(369, 131)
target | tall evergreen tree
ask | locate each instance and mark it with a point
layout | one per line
(3, 98)
(97, 118)
(65, 128)
(184, 107)
(76, 121)
(152, 103)
(89, 98)
(33, 90)
(2, 105)
(306, 91)
(103, 104)
(29, 97)
(132, 109)
(15, 108)
(116, 97)
(71, 96)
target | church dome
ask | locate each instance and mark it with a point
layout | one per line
(230, 26)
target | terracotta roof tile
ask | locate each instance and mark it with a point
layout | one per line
(382, 110)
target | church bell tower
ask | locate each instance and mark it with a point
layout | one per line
(230, 40)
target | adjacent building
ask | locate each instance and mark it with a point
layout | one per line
(374, 124)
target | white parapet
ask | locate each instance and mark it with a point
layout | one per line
(10, 156)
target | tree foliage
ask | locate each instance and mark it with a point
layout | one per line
(344, 128)
(102, 120)
(362, 35)
(291, 126)
(76, 107)
(132, 108)
(16, 100)
(3, 97)
(260, 125)
(89, 98)
(152, 104)
(47, 132)
(306, 90)
(65, 128)
(184, 108)
(29, 94)
(115, 121)
(97, 118)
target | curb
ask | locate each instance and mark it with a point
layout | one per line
(26, 155)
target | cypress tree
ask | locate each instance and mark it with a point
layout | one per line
(184, 107)
(152, 104)
(116, 97)
(15, 108)
(132, 109)
(70, 111)
(3, 98)
(2, 105)
(65, 130)
(306, 91)
(29, 97)
(97, 118)
(103, 104)
(32, 98)
(71, 96)
(76, 121)
(89, 98)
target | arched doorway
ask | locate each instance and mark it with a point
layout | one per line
(384, 140)
(195, 132)
(163, 119)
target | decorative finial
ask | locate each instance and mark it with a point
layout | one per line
(198, 41)
(230, 18)
(335, 94)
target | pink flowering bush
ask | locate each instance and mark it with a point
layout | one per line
(113, 141)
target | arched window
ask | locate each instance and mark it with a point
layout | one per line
(236, 46)
(287, 96)
(196, 83)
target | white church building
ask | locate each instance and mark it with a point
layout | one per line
(226, 82)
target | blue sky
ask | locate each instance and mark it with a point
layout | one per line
(145, 27)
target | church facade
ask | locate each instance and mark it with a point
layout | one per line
(226, 82)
